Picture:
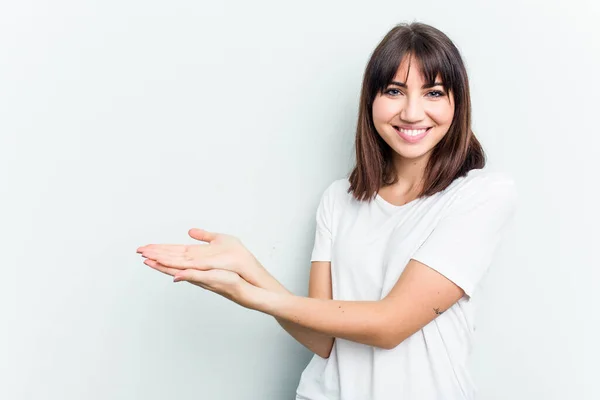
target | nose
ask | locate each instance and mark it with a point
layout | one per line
(412, 110)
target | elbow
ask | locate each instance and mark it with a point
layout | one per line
(324, 351)
(387, 338)
(324, 354)
(386, 333)
(389, 343)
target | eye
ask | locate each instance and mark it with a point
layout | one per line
(392, 92)
(436, 93)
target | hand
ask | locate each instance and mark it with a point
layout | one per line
(224, 252)
(226, 283)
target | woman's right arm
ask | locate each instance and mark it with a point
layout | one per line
(319, 287)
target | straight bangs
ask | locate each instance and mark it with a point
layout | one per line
(433, 64)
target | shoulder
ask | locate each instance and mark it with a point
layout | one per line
(483, 186)
(481, 180)
(334, 195)
(337, 189)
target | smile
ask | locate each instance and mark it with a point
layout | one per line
(412, 135)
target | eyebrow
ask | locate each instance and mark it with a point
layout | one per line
(425, 86)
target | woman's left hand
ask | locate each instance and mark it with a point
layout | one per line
(226, 283)
(223, 252)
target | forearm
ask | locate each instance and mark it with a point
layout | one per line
(318, 343)
(357, 321)
(314, 341)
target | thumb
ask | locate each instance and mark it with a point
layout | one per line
(188, 275)
(181, 276)
(202, 235)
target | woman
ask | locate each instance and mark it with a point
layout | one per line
(400, 245)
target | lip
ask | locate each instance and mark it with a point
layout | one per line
(411, 139)
(413, 127)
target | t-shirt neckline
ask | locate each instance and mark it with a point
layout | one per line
(394, 207)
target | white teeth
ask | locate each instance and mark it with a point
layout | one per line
(413, 132)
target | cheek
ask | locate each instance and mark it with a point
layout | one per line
(383, 110)
(442, 113)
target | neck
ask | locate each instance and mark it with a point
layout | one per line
(410, 173)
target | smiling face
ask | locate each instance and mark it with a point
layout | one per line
(410, 116)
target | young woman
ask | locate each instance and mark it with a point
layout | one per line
(400, 244)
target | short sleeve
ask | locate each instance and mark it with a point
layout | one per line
(323, 235)
(461, 247)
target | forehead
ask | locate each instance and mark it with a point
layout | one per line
(410, 70)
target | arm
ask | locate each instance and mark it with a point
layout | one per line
(227, 268)
(460, 247)
(419, 296)
(319, 288)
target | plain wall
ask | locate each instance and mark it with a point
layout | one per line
(128, 122)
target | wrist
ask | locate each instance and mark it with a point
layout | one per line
(261, 278)
(264, 300)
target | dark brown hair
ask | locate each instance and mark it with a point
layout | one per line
(457, 153)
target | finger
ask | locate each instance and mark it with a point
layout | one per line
(159, 267)
(159, 246)
(199, 278)
(162, 253)
(188, 252)
(170, 248)
(196, 256)
(202, 235)
(183, 262)
(170, 271)
(188, 275)
(158, 252)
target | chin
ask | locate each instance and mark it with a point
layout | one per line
(412, 151)
(415, 150)
(412, 154)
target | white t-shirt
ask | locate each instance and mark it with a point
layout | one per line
(455, 232)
